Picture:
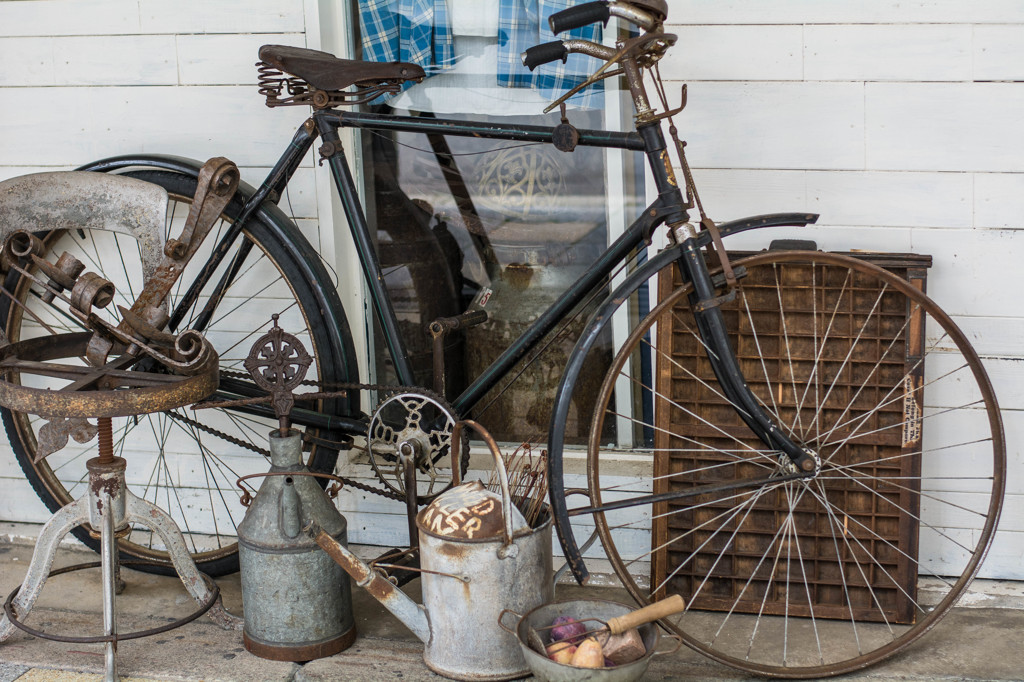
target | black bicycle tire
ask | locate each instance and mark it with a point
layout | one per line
(325, 335)
(985, 536)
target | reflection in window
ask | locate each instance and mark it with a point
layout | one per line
(465, 223)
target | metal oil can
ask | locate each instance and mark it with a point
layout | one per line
(297, 601)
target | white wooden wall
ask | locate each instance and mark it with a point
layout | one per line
(898, 122)
(81, 80)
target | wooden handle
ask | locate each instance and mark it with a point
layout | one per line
(652, 612)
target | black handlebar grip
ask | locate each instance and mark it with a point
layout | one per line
(580, 15)
(544, 53)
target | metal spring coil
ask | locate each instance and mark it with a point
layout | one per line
(272, 83)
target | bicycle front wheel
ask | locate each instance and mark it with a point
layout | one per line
(186, 461)
(816, 576)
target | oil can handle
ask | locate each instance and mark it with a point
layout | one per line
(507, 549)
(501, 618)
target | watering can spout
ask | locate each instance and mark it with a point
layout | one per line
(412, 615)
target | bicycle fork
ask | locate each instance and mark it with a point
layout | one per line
(711, 327)
(705, 306)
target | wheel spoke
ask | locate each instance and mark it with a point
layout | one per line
(183, 465)
(817, 576)
(702, 420)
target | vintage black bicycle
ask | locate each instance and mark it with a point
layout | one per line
(800, 443)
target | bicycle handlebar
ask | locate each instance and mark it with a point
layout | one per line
(590, 12)
(544, 53)
(561, 49)
(580, 15)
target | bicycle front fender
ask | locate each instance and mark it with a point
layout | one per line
(757, 222)
(591, 333)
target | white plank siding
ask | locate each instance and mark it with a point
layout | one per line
(723, 52)
(900, 124)
(895, 52)
(87, 79)
(999, 53)
(98, 18)
(802, 12)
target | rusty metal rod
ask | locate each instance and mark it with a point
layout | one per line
(690, 492)
(121, 636)
(106, 440)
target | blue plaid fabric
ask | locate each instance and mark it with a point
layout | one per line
(417, 31)
(523, 24)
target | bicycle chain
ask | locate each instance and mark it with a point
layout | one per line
(333, 385)
(265, 453)
(219, 434)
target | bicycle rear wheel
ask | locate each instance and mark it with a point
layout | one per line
(187, 461)
(812, 577)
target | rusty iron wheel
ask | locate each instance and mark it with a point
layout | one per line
(186, 461)
(823, 575)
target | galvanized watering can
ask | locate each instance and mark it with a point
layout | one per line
(478, 557)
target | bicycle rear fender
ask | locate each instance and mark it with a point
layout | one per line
(597, 323)
(284, 228)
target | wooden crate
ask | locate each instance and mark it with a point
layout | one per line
(893, 535)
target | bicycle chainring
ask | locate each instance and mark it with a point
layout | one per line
(419, 423)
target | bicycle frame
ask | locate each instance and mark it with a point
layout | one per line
(669, 208)
(328, 124)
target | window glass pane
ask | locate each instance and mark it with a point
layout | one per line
(465, 223)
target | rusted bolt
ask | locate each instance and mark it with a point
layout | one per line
(106, 439)
(320, 99)
(174, 249)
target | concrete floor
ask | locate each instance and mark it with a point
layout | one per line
(970, 644)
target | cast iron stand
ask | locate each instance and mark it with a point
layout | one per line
(108, 506)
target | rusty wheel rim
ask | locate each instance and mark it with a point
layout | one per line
(612, 530)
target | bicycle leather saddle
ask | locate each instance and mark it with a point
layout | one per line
(324, 71)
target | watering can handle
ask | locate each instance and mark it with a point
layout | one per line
(507, 548)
